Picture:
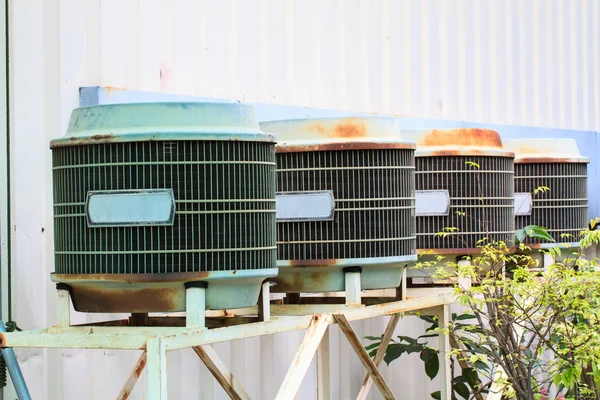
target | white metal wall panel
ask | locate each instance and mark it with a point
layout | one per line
(504, 61)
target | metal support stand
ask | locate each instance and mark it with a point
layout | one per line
(163, 334)
(464, 282)
(218, 369)
(16, 376)
(264, 302)
(195, 305)
(385, 341)
(323, 372)
(547, 260)
(64, 304)
(352, 280)
(156, 381)
(444, 346)
(133, 377)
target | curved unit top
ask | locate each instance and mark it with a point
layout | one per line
(162, 121)
(324, 134)
(458, 142)
(545, 150)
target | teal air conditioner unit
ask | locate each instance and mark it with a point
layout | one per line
(151, 197)
(345, 203)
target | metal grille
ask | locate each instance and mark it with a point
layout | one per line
(563, 210)
(225, 207)
(484, 195)
(374, 204)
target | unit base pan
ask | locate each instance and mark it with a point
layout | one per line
(143, 293)
(328, 275)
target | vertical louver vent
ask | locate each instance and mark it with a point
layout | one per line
(224, 200)
(374, 204)
(481, 200)
(563, 209)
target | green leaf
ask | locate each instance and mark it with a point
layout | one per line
(471, 376)
(378, 338)
(462, 317)
(481, 365)
(408, 339)
(436, 395)
(520, 235)
(428, 318)
(393, 351)
(432, 362)
(428, 336)
(461, 389)
(537, 232)
(372, 346)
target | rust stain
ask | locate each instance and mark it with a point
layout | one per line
(346, 128)
(92, 299)
(548, 160)
(304, 281)
(294, 148)
(474, 137)
(111, 89)
(350, 130)
(101, 136)
(472, 152)
(313, 263)
(133, 278)
(140, 367)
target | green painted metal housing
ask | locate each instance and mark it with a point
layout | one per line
(368, 168)
(148, 197)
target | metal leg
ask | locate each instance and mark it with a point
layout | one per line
(444, 338)
(195, 305)
(64, 307)
(133, 378)
(323, 369)
(16, 376)
(403, 284)
(362, 354)
(216, 367)
(352, 280)
(464, 282)
(385, 341)
(156, 369)
(264, 302)
(291, 383)
(548, 260)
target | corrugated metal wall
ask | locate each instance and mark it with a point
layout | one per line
(501, 61)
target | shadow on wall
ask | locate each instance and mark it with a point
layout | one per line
(586, 140)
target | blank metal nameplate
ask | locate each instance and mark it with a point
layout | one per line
(305, 206)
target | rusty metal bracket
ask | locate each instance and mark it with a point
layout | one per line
(362, 354)
(218, 369)
(133, 378)
(164, 334)
(291, 383)
(385, 341)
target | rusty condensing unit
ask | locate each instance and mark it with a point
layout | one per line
(345, 203)
(557, 165)
(153, 199)
(464, 188)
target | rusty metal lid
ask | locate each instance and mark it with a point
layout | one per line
(136, 122)
(545, 150)
(336, 134)
(458, 142)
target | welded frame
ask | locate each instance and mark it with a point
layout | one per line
(174, 333)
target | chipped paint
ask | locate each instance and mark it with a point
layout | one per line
(545, 150)
(336, 134)
(458, 142)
